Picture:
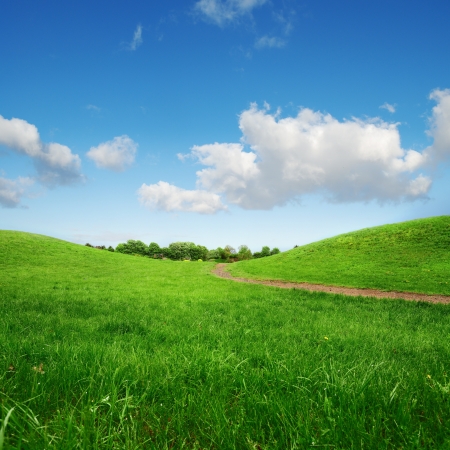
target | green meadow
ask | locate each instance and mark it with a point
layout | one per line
(410, 256)
(102, 350)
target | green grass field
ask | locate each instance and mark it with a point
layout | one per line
(411, 256)
(103, 350)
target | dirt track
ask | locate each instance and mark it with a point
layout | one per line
(220, 271)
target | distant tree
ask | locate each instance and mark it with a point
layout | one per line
(110, 249)
(230, 249)
(275, 251)
(179, 250)
(132, 247)
(165, 252)
(214, 254)
(154, 250)
(199, 252)
(244, 253)
(265, 251)
(187, 250)
(88, 245)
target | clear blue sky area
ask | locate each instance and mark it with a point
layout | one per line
(251, 122)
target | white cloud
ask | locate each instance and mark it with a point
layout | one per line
(93, 108)
(222, 12)
(313, 152)
(55, 163)
(137, 38)
(167, 197)
(389, 107)
(440, 126)
(21, 136)
(12, 191)
(345, 161)
(117, 154)
(270, 42)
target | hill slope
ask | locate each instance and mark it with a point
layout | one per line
(103, 350)
(410, 256)
(33, 263)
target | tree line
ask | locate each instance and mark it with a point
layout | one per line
(179, 251)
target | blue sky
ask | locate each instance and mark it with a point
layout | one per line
(221, 122)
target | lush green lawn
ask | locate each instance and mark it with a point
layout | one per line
(138, 353)
(410, 256)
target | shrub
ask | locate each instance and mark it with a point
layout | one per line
(88, 245)
(133, 248)
(154, 250)
(275, 251)
(110, 249)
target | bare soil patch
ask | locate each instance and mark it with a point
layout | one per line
(220, 271)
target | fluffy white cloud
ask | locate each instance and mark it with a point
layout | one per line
(270, 42)
(388, 106)
(55, 163)
(222, 12)
(352, 160)
(21, 136)
(440, 126)
(117, 154)
(12, 191)
(137, 38)
(166, 197)
(345, 161)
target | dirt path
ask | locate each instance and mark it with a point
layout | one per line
(220, 271)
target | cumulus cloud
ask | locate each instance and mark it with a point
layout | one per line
(440, 126)
(388, 107)
(55, 163)
(269, 42)
(222, 12)
(12, 191)
(347, 161)
(167, 197)
(117, 154)
(137, 38)
(281, 159)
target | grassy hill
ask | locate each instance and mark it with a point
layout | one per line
(411, 256)
(101, 350)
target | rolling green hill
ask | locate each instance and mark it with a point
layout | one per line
(410, 256)
(101, 350)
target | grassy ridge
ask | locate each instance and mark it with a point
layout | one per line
(411, 256)
(138, 353)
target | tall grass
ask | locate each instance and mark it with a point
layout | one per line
(110, 351)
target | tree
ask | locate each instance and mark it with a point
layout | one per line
(265, 251)
(244, 253)
(133, 248)
(275, 251)
(213, 254)
(154, 250)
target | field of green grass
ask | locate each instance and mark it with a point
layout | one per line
(410, 256)
(101, 350)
